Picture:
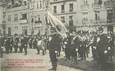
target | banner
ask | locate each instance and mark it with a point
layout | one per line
(57, 24)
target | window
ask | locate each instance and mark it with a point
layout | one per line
(37, 5)
(109, 16)
(40, 4)
(16, 27)
(63, 19)
(55, 0)
(9, 17)
(16, 17)
(85, 2)
(71, 7)
(100, 2)
(24, 16)
(25, 3)
(70, 20)
(32, 20)
(84, 21)
(37, 19)
(55, 9)
(32, 5)
(62, 8)
(70, 17)
(97, 15)
(24, 27)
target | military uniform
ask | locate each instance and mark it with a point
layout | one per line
(7, 44)
(24, 44)
(53, 45)
(76, 47)
(16, 40)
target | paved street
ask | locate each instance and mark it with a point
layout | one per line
(30, 65)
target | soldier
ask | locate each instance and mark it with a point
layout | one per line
(19, 45)
(7, 44)
(30, 41)
(1, 49)
(16, 40)
(35, 45)
(24, 44)
(102, 48)
(110, 45)
(67, 43)
(11, 44)
(82, 49)
(53, 45)
(76, 46)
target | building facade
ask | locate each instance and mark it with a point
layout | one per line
(1, 17)
(86, 15)
(25, 17)
(29, 16)
(65, 11)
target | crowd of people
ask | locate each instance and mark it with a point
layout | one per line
(77, 44)
(20, 43)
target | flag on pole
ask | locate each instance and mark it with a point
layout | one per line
(57, 24)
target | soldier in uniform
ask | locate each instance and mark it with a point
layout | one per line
(102, 48)
(35, 45)
(16, 40)
(30, 41)
(53, 45)
(67, 43)
(76, 46)
(7, 44)
(11, 45)
(24, 44)
(1, 49)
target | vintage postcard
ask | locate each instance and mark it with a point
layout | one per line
(57, 35)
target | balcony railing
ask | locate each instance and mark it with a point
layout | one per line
(16, 4)
(98, 22)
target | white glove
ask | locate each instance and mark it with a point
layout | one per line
(77, 50)
(65, 42)
(109, 48)
(105, 51)
(64, 47)
(55, 51)
(94, 47)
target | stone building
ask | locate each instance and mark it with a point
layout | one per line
(25, 17)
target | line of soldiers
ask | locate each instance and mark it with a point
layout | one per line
(20, 43)
(14, 43)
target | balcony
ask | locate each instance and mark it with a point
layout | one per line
(16, 4)
(98, 22)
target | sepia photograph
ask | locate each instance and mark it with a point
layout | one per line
(57, 35)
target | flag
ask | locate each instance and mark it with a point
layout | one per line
(57, 24)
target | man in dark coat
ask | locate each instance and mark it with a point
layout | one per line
(7, 44)
(24, 44)
(76, 47)
(53, 49)
(1, 49)
(67, 43)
